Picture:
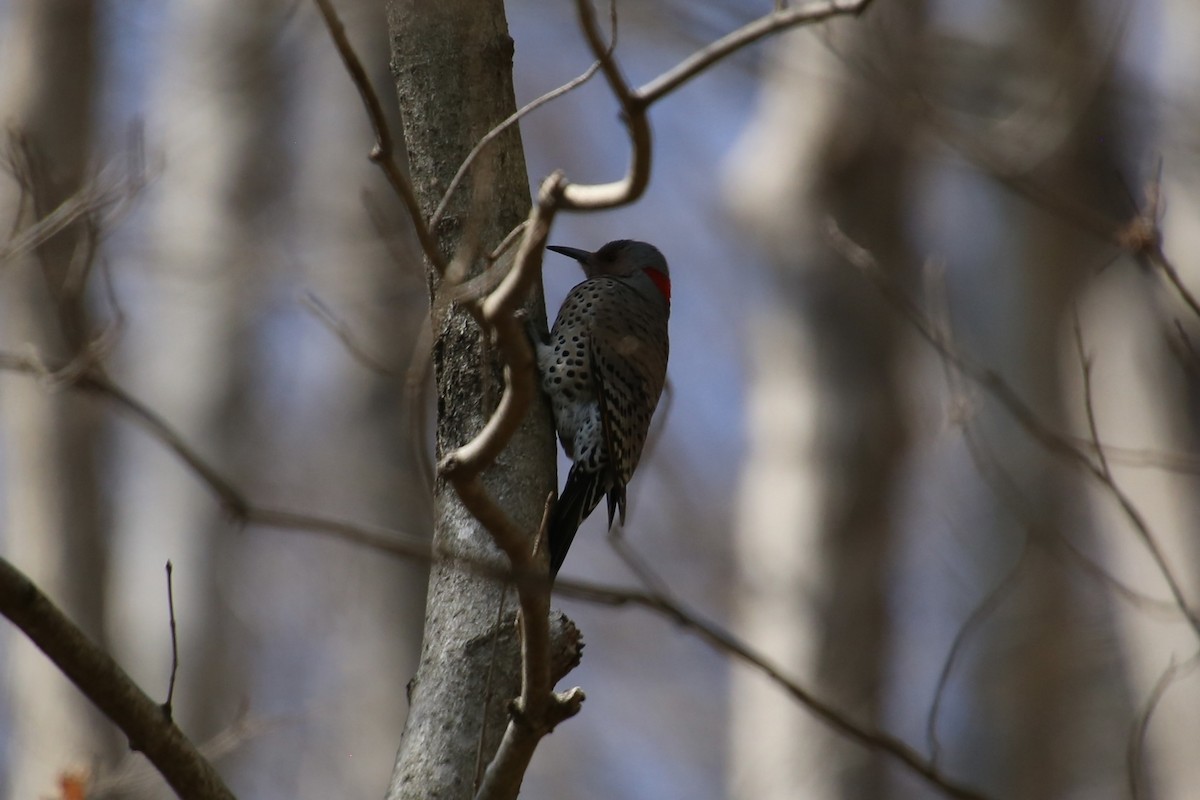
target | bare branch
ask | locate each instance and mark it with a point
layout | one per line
(231, 498)
(1137, 457)
(1137, 737)
(1000, 480)
(384, 540)
(105, 684)
(995, 385)
(657, 592)
(986, 607)
(517, 115)
(108, 196)
(498, 313)
(1085, 367)
(341, 329)
(780, 20)
(724, 642)
(383, 153)
(1143, 239)
(581, 197)
(1159, 259)
(400, 545)
(167, 704)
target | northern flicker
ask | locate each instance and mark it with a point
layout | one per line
(603, 369)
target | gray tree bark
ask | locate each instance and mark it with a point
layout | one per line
(452, 62)
(55, 521)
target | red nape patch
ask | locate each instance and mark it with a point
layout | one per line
(661, 281)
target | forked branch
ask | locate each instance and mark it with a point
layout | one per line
(109, 688)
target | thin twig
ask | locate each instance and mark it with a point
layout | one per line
(1137, 457)
(166, 706)
(724, 642)
(109, 688)
(400, 545)
(341, 329)
(595, 197)
(1085, 368)
(103, 195)
(519, 114)
(488, 693)
(383, 153)
(539, 709)
(780, 20)
(1143, 238)
(1137, 737)
(396, 544)
(1001, 390)
(986, 607)
(509, 239)
(235, 503)
(1159, 259)
(999, 479)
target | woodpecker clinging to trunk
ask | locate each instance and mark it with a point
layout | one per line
(603, 369)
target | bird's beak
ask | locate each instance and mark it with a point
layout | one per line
(582, 256)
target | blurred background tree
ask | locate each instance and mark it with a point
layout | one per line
(820, 482)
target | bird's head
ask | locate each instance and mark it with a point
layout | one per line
(623, 258)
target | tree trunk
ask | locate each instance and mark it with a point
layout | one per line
(452, 62)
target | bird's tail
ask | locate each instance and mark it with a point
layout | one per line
(578, 499)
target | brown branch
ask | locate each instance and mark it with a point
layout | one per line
(724, 642)
(383, 153)
(169, 702)
(991, 381)
(655, 591)
(539, 709)
(635, 103)
(498, 312)
(594, 197)
(780, 20)
(105, 197)
(149, 730)
(234, 501)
